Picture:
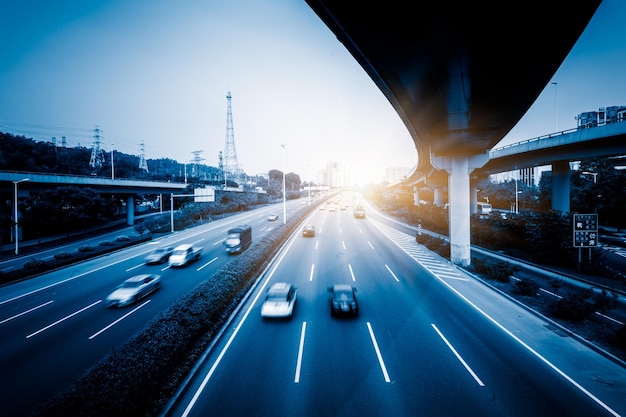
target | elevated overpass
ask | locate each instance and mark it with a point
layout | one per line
(557, 150)
(129, 188)
(460, 75)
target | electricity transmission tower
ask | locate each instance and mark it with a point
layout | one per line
(95, 161)
(143, 165)
(196, 161)
(231, 166)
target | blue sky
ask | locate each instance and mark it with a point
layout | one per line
(157, 72)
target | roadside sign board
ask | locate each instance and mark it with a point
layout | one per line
(585, 230)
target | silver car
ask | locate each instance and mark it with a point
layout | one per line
(280, 301)
(133, 289)
(159, 256)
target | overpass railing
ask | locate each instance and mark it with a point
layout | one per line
(500, 149)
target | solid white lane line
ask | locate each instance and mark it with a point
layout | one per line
(300, 350)
(472, 373)
(63, 319)
(391, 272)
(380, 357)
(25, 312)
(118, 320)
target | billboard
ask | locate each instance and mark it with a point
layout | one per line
(204, 195)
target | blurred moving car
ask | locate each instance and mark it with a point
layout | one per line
(272, 217)
(279, 301)
(308, 231)
(159, 256)
(133, 289)
(184, 254)
(343, 300)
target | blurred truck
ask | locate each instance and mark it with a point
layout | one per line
(238, 239)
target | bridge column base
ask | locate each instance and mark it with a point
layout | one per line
(459, 169)
(130, 209)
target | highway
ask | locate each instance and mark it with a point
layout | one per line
(54, 327)
(429, 340)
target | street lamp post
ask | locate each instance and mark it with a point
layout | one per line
(284, 197)
(17, 248)
(555, 118)
(112, 166)
(516, 198)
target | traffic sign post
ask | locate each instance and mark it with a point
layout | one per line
(585, 233)
(585, 230)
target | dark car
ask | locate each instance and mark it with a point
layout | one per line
(343, 300)
(159, 256)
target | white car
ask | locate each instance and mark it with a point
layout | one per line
(272, 217)
(133, 289)
(279, 301)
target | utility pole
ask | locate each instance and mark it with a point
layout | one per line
(284, 195)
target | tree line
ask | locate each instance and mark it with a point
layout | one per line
(70, 209)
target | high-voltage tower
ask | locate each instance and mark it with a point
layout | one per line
(95, 161)
(143, 165)
(231, 166)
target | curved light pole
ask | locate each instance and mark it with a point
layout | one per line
(284, 196)
(555, 118)
(17, 248)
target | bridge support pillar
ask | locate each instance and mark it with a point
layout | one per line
(474, 200)
(561, 186)
(130, 209)
(459, 170)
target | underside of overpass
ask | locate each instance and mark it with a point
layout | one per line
(459, 74)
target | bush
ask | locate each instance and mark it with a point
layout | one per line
(34, 263)
(436, 244)
(106, 243)
(605, 301)
(122, 238)
(619, 338)
(63, 255)
(85, 248)
(574, 307)
(526, 287)
(493, 269)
